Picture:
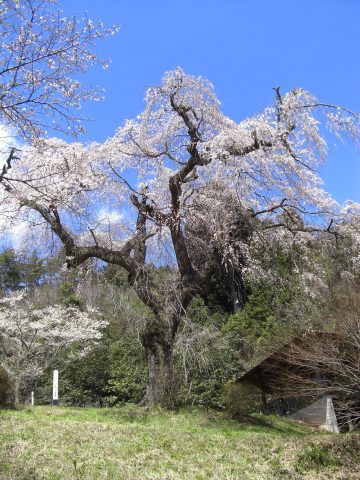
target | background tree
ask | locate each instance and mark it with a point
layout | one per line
(9, 270)
(20, 270)
(33, 340)
(115, 371)
(149, 175)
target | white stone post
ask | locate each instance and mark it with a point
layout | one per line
(55, 399)
(32, 399)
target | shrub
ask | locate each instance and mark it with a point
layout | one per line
(5, 388)
(241, 400)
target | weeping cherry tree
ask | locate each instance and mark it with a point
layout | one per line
(129, 200)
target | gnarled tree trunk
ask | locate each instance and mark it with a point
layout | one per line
(158, 340)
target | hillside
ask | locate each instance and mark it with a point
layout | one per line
(131, 443)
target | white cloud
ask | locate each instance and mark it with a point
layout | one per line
(8, 139)
(109, 216)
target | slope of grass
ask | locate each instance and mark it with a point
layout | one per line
(131, 443)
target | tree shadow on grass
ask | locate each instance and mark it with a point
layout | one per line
(272, 424)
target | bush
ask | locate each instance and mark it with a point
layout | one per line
(254, 327)
(203, 358)
(5, 388)
(241, 400)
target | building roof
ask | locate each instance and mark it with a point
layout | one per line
(284, 361)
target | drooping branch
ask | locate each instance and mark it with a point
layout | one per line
(270, 209)
(286, 208)
(304, 229)
(51, 216)
(332, 106)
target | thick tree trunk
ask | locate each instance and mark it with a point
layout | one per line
(160, 387)
(158, 341)
(16, 398)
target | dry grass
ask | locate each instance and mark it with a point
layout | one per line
(131, 443)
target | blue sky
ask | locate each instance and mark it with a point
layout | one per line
(244, 47)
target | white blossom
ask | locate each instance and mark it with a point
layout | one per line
(269, 163)
(33, 339)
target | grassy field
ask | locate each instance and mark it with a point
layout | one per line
(131, 443)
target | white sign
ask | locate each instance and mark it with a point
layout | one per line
(55, 387)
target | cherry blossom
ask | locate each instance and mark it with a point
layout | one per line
(35, 339)
(180, 160)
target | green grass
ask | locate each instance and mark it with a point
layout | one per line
(134, 444)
